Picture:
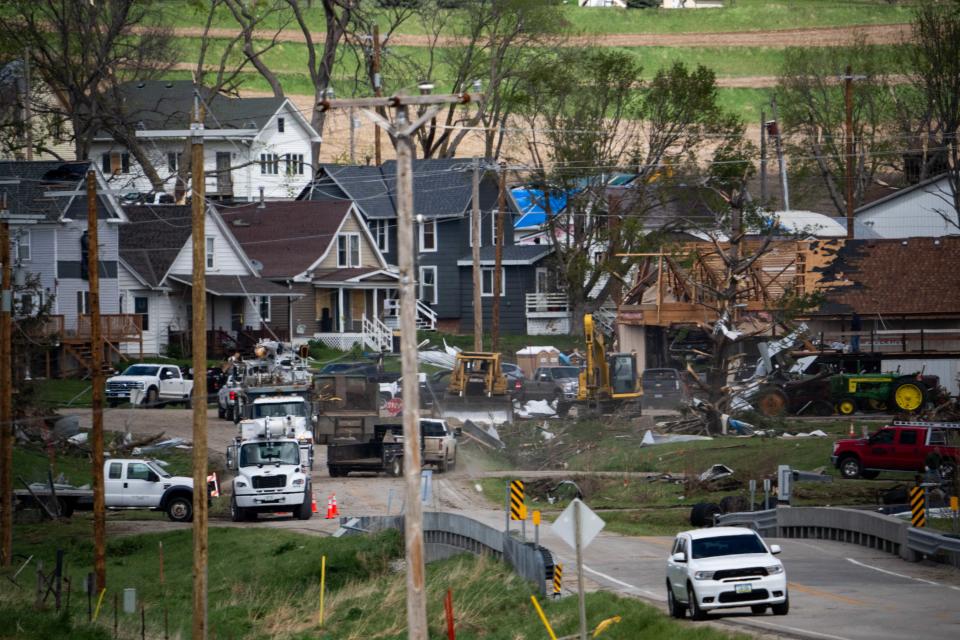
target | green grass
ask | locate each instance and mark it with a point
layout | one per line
(61, 393)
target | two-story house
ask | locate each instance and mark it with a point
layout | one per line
(52, 250)
(250, 143)
(156, 279)
(442, 201)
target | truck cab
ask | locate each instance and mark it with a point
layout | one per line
(144, 484)
(902, 446)
(272, 472)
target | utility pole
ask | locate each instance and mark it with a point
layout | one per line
(377, 89)
(402, 130)
(199, 402)
(763, 158)
(778, 139)
(27, 106)
(353, 138)
(96, 347)
(6, 391)
(848, 143)
(498, 260)
(475, 250)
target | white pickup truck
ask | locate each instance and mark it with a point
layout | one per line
(439, 444)
(149, 384)
(128, 484)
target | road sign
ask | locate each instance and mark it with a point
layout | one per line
(557, 579)
(518, 507)
(918, 516)
(590, 525)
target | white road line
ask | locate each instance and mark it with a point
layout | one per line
(893, 573)
(784, 627)
(656, 596)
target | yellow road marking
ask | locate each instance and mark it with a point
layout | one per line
(825, 594)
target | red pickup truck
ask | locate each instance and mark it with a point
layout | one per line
(902, 446)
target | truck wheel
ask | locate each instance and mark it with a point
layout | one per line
(180, 509)
(304, 511)
(396, 467)
(66, 507)
(453, 463)
(442, 466)
(783, 608)
(696, 613)
(152, 397)
(908, 396)
(221, 413)
(772, 402)
(237, 514)
(675, 609)
(850, 467)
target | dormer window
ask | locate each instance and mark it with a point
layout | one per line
(348, 250)
(280, 124)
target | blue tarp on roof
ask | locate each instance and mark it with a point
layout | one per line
(531, 203)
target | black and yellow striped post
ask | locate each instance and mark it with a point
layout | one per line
(557, 579)
(918, 504)
(518, 507)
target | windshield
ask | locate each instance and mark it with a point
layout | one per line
(279, 410)
(660, 374)
(565, 372)
(269, 453)
(727, 546)
(141, 370)
(431, 429)
(160, 472)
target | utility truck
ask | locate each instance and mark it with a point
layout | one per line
(276, 370)
(272, 470)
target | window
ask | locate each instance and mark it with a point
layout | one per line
(428, 235)
(380, 229)
(174, 161)
(211, 255)
(27, 303)
(348, 250)
(294, 164)
(264, 308)
(116, 468)
(141, 307)
(908, 436)
(486, 282)
(280, 123)
(23, 245)
(138, 471)
(494, 221)
(83, 303)
(884, 436)
(428, 284)
(114, 163)
(269, 164)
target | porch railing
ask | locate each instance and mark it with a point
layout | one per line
(555, 303)
(426, 317)
(376, 335)
(114, 327)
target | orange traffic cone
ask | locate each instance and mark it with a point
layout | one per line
(330, 515)
(336, 512)
(851, 429)
(313, 504)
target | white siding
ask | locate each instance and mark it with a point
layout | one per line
(293, 140)
(914, 215)
(43, 255)
(226, 259)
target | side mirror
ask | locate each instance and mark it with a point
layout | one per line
(231, 456)
(774, 549)
(679, 557)
(152, 477)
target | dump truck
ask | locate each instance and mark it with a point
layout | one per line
(347, 407)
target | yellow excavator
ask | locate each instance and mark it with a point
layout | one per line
(608, 381)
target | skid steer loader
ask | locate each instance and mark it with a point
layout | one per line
(478, 390)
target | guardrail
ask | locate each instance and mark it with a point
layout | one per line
(448, 534)
(854, 526)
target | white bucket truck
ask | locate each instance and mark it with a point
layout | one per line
(272, 471)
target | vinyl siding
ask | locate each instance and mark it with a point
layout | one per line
(68, 250)
(368, 258)
(226, 259)
(520, 280)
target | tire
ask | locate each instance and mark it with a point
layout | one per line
(674, 608)
(771, 402)
(221, 413)
(453, 463)
(113, 404)
(228, 414)
(734, 504)
(151, 400)
(783, 608)
(304, 511)
(66, 507)
(237, 514)
(847, 406)
(180, 509)
(758, 609)
(696, 613)
(908, 396)
(850, 467)
(442, 466)
(396, 467)
(702, 514)
(869, 475)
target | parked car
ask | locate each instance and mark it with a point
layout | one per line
(553, 383)
(511, 369)
(153, 384)
(724, 568)
(902, 446)
(664, 388)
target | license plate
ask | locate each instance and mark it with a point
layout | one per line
(744, 588)
(658, 395)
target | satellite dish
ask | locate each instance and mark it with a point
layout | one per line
(257, 265)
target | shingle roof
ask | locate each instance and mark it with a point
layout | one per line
(682, 207)
(26, 182)
(441, 187)
(285, 237)
(153, 239)
(513, 254)
(238, 286)
(917, 276)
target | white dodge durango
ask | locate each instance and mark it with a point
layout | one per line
(723, 568)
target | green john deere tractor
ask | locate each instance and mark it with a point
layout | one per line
(881, 392)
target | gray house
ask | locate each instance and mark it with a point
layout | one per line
(442, 198)
(52, 250)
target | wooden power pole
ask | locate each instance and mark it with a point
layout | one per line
(6, 392)
(402, 130)
(96, 348)
(763, 159)
(498, 260)
(377, 89)
(848, 143)
(199, 402)
(475, 251)
(777, 133)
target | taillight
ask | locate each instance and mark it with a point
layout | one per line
(233, 396)
(516, 385)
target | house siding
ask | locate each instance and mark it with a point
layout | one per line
(226, 261)
(368, 257)
(519, 280)
(912, 215)
(67, 264)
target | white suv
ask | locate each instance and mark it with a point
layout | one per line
(724, 568)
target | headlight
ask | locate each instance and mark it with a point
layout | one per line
(298, 482)
(775, 569)
(241, 484)
(703, 575)
(138, 385)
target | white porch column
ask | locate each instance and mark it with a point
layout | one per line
(376, 314)
(340, 309)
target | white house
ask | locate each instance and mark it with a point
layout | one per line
(924, 210)
(250, 142)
